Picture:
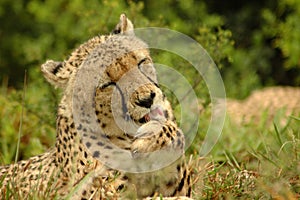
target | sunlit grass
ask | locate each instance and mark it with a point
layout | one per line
(255, 162)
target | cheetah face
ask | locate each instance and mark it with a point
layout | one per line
(128, 95)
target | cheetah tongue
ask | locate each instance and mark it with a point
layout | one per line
(156, 113)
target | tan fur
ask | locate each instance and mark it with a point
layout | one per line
(269, 101)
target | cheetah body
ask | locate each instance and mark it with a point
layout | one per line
(270, 101)
(74, 167)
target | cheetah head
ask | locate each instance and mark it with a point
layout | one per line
(127, 94)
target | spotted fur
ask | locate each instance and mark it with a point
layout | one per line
(265, 104)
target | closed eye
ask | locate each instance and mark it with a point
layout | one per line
(147, 68)
(142, 61)
(105, 85)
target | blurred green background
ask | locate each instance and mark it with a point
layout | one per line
(254, 43)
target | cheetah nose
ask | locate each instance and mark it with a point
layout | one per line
(147, 101)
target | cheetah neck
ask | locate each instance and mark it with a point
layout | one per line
(71, 154)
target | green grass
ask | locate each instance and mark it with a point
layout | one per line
(253, 161)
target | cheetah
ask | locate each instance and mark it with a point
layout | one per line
(283, 100)
(133, 115)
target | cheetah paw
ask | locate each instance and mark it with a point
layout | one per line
(156, 135)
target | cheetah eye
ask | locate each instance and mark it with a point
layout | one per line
(144, 60)
(147, 68)
(105, 85)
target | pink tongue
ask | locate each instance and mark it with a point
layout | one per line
(155, 114)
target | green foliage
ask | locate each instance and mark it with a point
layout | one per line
(283, 25)
(218, 43)
(266, 36)
(255, 45)
(39, 30)
(38, 123)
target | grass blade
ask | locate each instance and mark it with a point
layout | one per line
(294, 117)
(21, 118)
(278, 134)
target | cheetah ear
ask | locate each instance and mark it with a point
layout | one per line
(52, 71)
(124, 27)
